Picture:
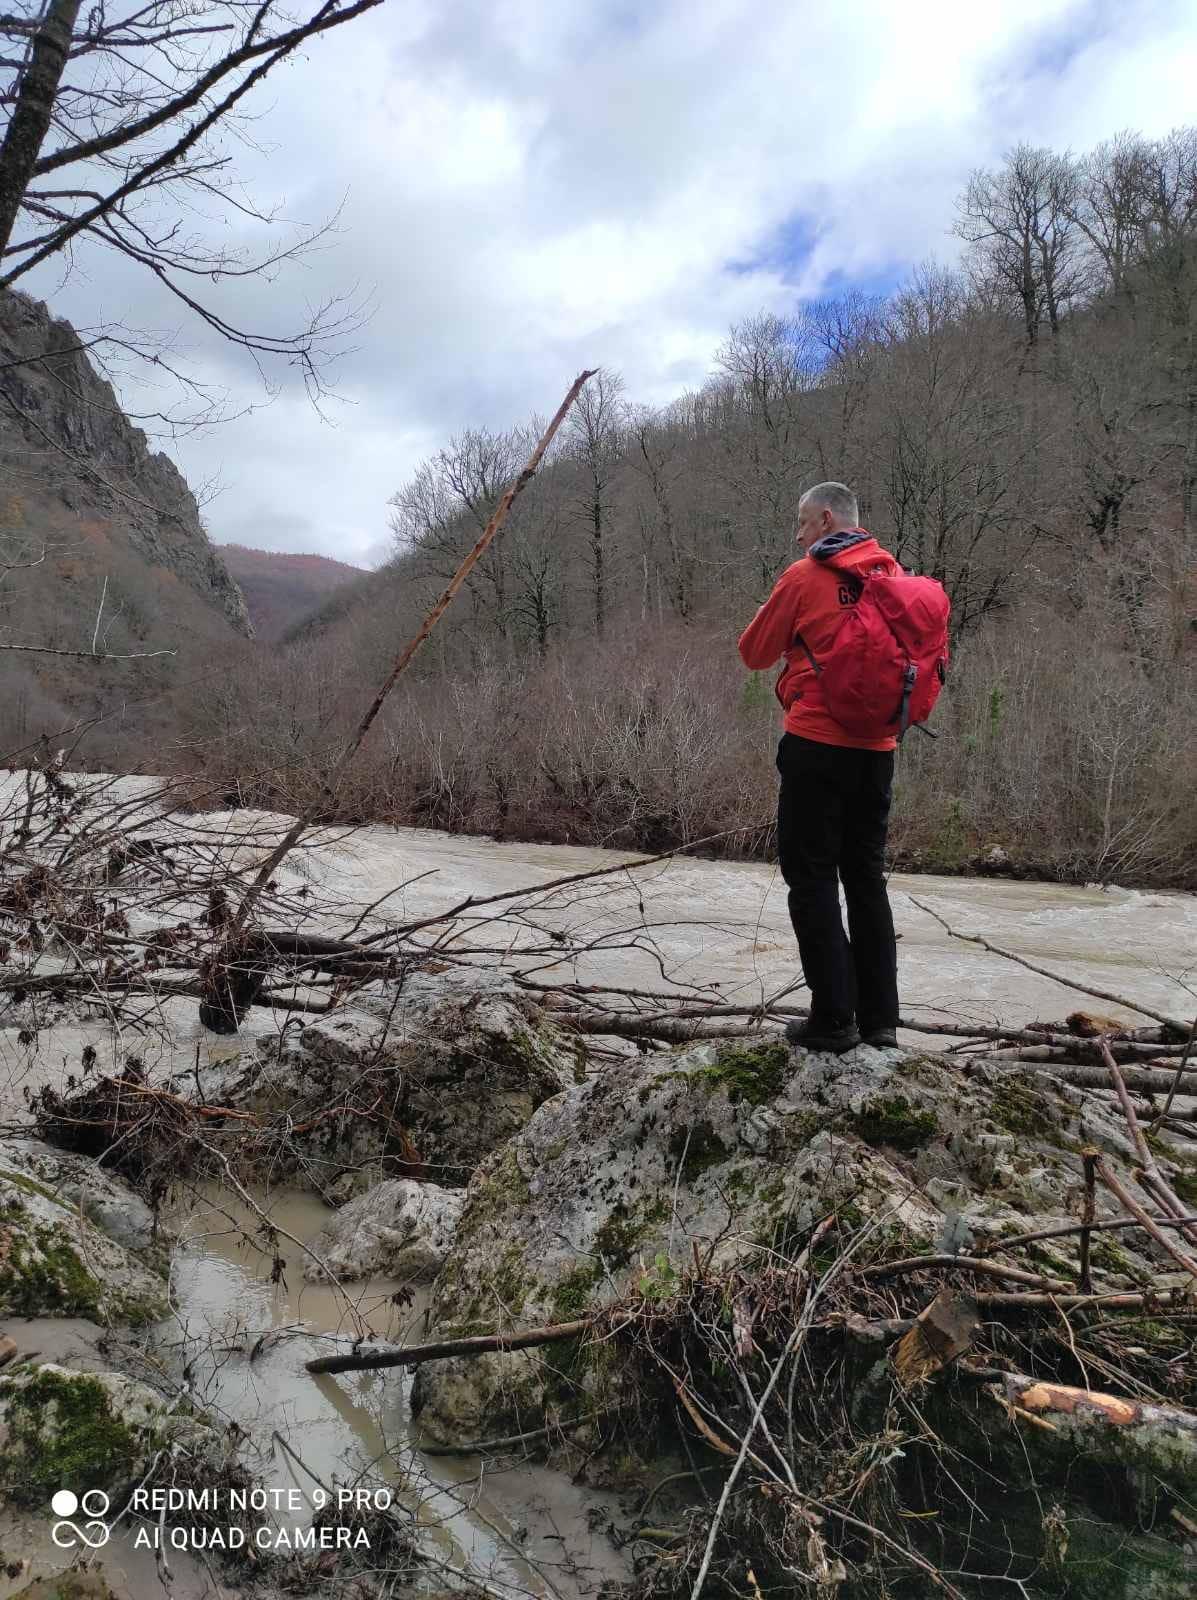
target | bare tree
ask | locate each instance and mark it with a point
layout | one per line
(1019, 221)
(594, 443)
(111, 130)
(448, 502)
(1105, 206)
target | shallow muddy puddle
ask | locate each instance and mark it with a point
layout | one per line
(244, 1341)
(246, 1338)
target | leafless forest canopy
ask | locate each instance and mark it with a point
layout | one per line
(1023, 427)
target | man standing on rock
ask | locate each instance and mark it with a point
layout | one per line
(833, 809)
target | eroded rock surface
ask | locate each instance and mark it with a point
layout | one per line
(731, 1150)
(81, 1183)
(729, 1157)
(55, 1260)
(401, 1229)
(428, 1083)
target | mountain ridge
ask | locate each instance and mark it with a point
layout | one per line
(283, 588)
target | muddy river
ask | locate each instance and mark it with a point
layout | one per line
(684, 923)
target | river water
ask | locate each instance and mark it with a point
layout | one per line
(685, 923)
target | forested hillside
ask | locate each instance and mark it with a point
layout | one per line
(281, 590)
(1024, 428)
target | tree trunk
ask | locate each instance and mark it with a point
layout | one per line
(34, 108)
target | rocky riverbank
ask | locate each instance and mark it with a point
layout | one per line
(805, 1276)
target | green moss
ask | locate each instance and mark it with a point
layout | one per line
(893, 1120)
(504, 1189)
(580, 1369)
(18, 1180)
(511, 1280)
(49, 1278)
(571, 1295)
(84, 1447)
(1185, 1185)
(1110, 1257)
(1020, 1106)
(802, 1126)
(581, 1059)
(696, 1149)
(68, 1586)
(752, 1074)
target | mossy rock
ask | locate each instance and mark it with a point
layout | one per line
(68, 1586)
(85, 1430)
(754, 1073)
(893, 1120)
(55, 1262)
(61, 1433)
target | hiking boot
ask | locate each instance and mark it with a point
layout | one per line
(832, 1037)
(881, 1038)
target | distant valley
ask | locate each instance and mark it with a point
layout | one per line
(281, 590)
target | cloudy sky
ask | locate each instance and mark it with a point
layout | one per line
(532, 186)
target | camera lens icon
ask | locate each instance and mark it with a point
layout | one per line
(93, 1504)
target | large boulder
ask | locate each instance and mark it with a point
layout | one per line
(424, 1082)
(401, 1229)
(82, 1184)
(729, 1151)
(85, 1430)
(54, 1258)
(690, 1182)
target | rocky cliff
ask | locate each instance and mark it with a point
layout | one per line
(72, 463)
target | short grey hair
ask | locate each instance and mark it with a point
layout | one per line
(836, 498)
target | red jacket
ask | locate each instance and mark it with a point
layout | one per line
(809, 598)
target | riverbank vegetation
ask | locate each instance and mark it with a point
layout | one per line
(1023, 427)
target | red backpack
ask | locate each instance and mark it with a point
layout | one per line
(889, 658)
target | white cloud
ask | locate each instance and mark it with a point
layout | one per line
(535, 187)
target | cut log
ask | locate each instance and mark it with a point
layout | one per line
(942, 1331)
(1158, 1441)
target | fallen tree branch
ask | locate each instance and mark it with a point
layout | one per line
(476, 1345)
(1120, 1192)
(1180, 1068)
(1144, 1080)
(978, 1264)
(485, 1447)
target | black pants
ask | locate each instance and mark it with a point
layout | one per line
(832, 817)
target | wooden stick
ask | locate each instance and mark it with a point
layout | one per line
(1084, 1280)
(1127, 1050)
(1105, 1226)
(1180, 1067)
(492, 527)
(991, 1269)
(1143, 1080)
(1157, 1299)
(1152, 1226)
(479, 1344)
(483, 1447)
(1152, 1178)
